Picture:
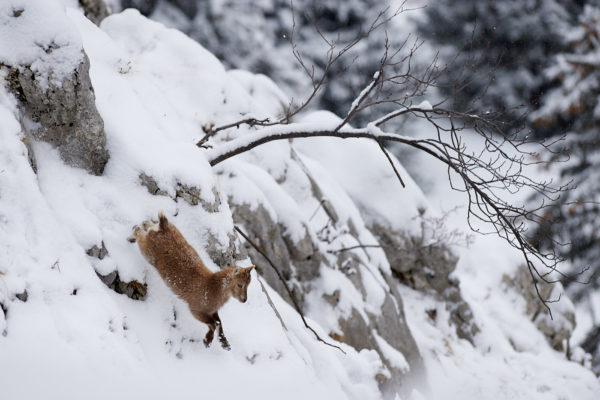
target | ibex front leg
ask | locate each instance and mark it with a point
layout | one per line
(224, 343)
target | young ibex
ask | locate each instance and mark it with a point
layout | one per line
(181, 268)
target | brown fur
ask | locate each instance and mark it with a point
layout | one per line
(181, 268)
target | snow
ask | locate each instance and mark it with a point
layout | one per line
(38, 35)
(424, 105)
(155, 89)
(394, 356)
(374, 187)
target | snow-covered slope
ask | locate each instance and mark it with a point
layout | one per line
(73, 336)
(65, 334)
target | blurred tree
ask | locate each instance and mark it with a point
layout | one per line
(574, 106)
(497, 49)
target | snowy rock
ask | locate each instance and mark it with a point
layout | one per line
(64, 115)
(224, 255)
(42, 59)
(23, 296)
(97, 252)
(191, 195)
(428, 268)
(266, 234)
(132, 289)
(3, 311)
(558, 329)
(387, 326)
(151, 185)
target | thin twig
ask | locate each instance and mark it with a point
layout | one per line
(287, 288)
(391, 163)
(359, 246)
(270, 301)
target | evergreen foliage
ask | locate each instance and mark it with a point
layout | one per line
(496, 50)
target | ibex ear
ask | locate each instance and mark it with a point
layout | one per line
(250, 268)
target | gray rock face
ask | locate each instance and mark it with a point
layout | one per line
(150, 184)
(67, 116)
(427, 268)
(30, 153)
(299, 263)
(191, 195)
(558, 330)
(266, 234)
(390, 324)
(133, 289)
(23, 296)
(97, 252)
(224, 256)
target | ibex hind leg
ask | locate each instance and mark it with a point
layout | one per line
(142, 229)
(210, 335)
(137, 230)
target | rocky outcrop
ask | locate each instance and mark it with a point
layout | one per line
(133, 289)
(189, 194)
(64, 115)
(557, 329)
(301, 262)
(428, 268)
(267, 235)
(97, 252)
(389, 324)
(151, 185)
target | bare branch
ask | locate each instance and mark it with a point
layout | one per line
(478, 175)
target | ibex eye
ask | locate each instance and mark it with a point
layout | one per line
(240, 286)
